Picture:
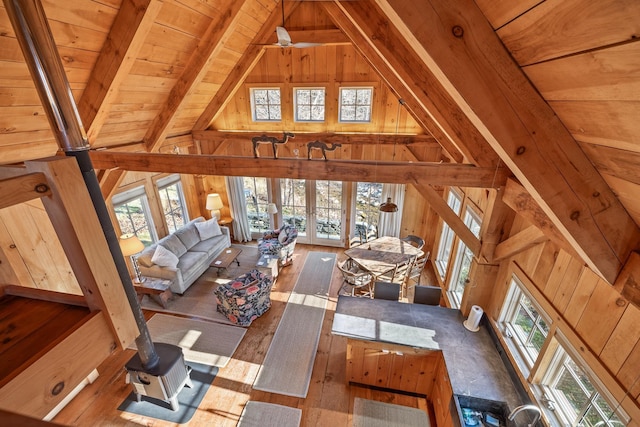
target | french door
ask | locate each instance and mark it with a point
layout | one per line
(315, 208)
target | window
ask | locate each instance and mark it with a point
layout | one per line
(464, 257)
(355, 104)
(256, 192)
(309, 104)
(447, 236)
(173, 204)
(578, 397)
(366, 211)
(133, 215)
(266, 105)
(293, 203)
(525, 323)
(328, 209)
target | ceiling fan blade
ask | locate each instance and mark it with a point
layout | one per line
(284, 39)
(306, 44)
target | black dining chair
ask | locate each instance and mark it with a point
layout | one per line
(386, 290)
(429, 295)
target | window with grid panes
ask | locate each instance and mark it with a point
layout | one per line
(309, 104)
(355, 104)
(266, 105)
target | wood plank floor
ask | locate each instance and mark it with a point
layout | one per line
(328, 403)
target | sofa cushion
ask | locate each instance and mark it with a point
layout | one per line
(164, 257)
(212, 246)
(208, 229)
(174, 244)
(190, 261)
(188, 235)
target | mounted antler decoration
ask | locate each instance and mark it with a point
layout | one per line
(264, 139)
(319, 145)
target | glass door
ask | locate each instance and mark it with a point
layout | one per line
(315, 208)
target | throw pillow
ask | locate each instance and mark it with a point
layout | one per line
(282, 237)
(164, 257)
(208, 229)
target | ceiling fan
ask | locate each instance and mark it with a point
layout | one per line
(284, 39)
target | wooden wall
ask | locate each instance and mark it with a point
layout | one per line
(599, 322)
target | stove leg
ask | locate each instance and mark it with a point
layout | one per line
(173, 401)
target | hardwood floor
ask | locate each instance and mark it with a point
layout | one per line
(328, 403)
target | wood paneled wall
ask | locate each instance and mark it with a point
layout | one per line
(599, 322)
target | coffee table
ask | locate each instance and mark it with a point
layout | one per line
(226, 258)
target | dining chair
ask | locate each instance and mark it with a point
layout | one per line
(416, 269)
(356, 281)
(429, 295)
(413, 240)
(386, 290)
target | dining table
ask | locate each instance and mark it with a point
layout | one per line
(383, 255)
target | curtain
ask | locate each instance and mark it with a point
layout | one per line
(389, 222)
(238, 207)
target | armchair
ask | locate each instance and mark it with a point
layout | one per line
(280, 243)
(245, 298)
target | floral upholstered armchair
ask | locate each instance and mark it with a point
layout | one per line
(245, 298)
(280, 243)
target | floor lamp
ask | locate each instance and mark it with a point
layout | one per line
(130, 245)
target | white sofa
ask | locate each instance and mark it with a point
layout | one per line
(194, 255)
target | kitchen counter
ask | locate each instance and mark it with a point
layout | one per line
(473, 363)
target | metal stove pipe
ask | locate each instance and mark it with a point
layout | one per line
(41, 54)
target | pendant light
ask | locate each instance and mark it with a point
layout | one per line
(389, 206)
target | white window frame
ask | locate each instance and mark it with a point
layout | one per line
(367, 106)
(447, 236)
(261, 206)
(278, 107)
(510, 308)
(562, 410)
(126, 197)
(162, 185)
(463, 253)
(297, 105)
(363, 232)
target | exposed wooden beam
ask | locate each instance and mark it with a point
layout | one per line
(328, 137)
(128, 33)
(212, 44)
(419, 173)
(370, 54)
(422, 82)
(628, 282)
(497, 221)
(452, 219)
(517, 198)
(23, 188)
(525, 239)
(456, 43)
(110, 181)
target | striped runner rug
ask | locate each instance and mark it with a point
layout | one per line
(289, 361)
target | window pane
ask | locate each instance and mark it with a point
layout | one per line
(348, 113)
(257, 198)
(355, 104)
(266, 105)
(173, 206)
(367, 210)
(132, 217)
(572, 393)
(293, 203)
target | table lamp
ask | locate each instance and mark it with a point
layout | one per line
(131, 245)
(272, 208)
(214, 204)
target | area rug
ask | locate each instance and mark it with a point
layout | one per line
(289, 361)
(261, 414)
(189, 398)
(201, 341)
(371, 413)
(199, 300)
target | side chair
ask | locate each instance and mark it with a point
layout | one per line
(429, 295)
(386, 290)
(355, 280)
(413, 240)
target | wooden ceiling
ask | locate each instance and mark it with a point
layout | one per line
(548, 89)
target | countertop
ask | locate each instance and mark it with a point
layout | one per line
(473, 363)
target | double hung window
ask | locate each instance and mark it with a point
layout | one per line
(447, 236)
(173, 203)
(133, 215)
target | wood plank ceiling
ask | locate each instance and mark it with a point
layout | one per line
(548, 89)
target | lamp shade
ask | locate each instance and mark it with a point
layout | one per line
(272, 208)
(130, 244)
(388, 206)
(214, 202)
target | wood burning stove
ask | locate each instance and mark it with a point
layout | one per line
(163, 381)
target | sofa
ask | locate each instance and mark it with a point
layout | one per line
(245, 298)
(280, 242)
(185, 254)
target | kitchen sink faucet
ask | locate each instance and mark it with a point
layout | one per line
(521, 408)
